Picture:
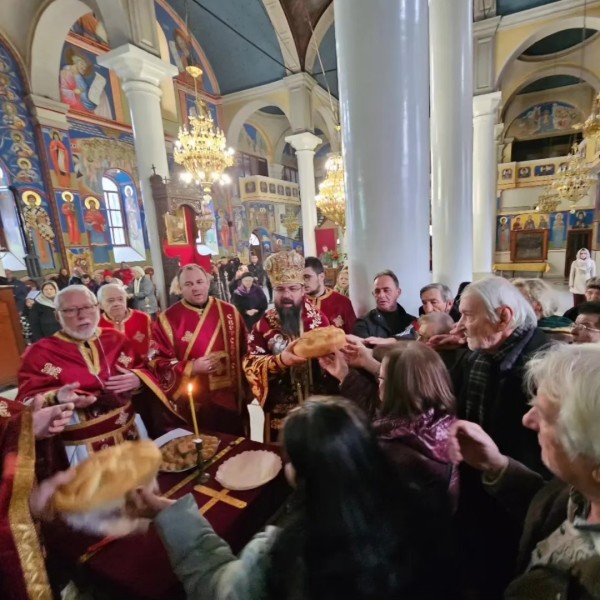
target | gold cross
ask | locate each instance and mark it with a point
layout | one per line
(216, 497)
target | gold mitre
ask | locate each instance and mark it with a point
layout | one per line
(285, 267)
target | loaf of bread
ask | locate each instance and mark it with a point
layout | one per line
(107, 476)
(320, 342)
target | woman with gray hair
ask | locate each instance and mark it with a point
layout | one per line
(141, 289)
(559, 552)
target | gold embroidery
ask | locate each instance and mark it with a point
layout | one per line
(139, 337)
(122, 420)
(187, 337)
(215, 497)
(20, 520)
(4, 412)
(339, 321)
(124, 359)
(52, 370)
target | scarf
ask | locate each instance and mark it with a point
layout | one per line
(41, 299)
(479, 379)
(136, 285)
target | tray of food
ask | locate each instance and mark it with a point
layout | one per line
(179, 450)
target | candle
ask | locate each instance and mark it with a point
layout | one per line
(193, 410)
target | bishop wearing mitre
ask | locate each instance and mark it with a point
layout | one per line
(199, 345)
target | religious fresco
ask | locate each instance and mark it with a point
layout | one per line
(189, 106)
(183, 49)
(81, 258)
(544, 118)
(90, 28)
(581, 219)
(131, 206)
(261, 215)
(71, 218)
(36, 217)
(96, 221)
(252, 141)
(502, 234)
(60, 162)
(558, 230)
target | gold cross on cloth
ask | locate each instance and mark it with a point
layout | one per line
(215, 497)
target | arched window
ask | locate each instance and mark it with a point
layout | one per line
(12, 241)
(114, 210)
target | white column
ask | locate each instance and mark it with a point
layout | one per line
(450, 31)
(141, 74)
(305, 144)
(485, 171)
(385, 142)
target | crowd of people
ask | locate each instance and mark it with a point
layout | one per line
(449, 454)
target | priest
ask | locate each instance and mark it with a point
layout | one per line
(98, 371)
(135, 325)
(336, 307)
(279, 379)
(200, 342)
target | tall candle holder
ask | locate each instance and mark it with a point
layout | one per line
(203, 476)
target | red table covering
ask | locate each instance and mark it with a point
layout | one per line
(137, 567)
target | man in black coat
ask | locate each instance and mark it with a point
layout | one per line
(389, 319)
(20, 290)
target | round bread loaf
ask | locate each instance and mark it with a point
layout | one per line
(320, 342)
(108, 475)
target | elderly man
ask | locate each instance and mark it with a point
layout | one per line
(336, 307)
(559, 554)
(437, 297)
(434, 323)
(279, 379)
(95, 369)
(592, 294)
(200, 342)
(586, 328)
(389, 319)
(135, 325)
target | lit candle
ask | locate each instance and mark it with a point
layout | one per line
(193, 409)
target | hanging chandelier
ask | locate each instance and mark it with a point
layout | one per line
(331, 199)
(202, 148)
(573, 180)
(548, 201)
(591, 127)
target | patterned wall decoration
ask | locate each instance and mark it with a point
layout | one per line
(545, 118)
(252, 141)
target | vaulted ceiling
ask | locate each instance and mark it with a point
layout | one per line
(242, 46)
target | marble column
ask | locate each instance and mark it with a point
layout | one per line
(141, 73)
(451, 76)
(385, 142)
(305, 143)
(485, 172)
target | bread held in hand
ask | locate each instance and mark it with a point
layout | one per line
(320, 342)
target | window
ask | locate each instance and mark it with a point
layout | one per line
(248, 165)
(114, 211)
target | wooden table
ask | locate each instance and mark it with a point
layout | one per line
(541, 267)
(137, 567)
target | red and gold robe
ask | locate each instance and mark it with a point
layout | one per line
(22, 568)
(185, 332)
(58, 360)
(136, 327)
(337, 308)
(278, 388)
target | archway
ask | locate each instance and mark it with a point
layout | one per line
(244, 113)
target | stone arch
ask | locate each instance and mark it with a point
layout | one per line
(280, 145)
(321, 28)
(168, 100)
(244, 113)
(328, 118)
(574, 22)
(585, 74)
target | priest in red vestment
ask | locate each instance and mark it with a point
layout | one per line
(135, 325)
(201, 341)
(335, 306)
(22, 568)
(279, 379)
(99, 372)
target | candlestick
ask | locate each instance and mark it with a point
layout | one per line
(203, 476)
(193, 410)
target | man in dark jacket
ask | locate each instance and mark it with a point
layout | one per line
(592, 294)
(389, 319)
(20, 290)
(501, 333)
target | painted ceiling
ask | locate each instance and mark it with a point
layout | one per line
(242, 47)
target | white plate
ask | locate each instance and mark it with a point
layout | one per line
(171, 435)
(249, 470)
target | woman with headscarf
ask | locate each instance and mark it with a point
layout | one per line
(250, 300)
(42, 315)
(582, 269)
(142, 291)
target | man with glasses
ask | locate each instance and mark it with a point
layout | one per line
(586, 329)
(96, 370)
(279, 379)
(592, 294)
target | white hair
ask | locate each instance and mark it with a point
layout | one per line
(58, 300)
(537, 290)
(444, 290)
(138, 271)
(569, 376)
(110, 287)
(497, 293)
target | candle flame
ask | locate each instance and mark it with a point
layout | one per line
(190, 388)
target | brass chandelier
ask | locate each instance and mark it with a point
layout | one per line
(202, 148)
(548, 201)
(331, 199)
(573, 180)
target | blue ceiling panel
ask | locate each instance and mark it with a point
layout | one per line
(549, 83)
(329, 58)
(508, 7)
(238, 40)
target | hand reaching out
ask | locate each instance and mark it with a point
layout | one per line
(50, 420)
(289, 358)
(126, 382)
(70, 394)
(39, 499)
(335, 364)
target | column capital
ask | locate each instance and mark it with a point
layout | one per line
(486, 104)
(131, 63)
(303, 141)
(48, 112)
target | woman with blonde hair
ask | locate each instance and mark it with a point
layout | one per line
(142, 291)
(582, 269)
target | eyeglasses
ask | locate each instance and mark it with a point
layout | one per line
(584, 327)
(82, 310)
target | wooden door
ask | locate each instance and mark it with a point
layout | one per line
(12, 339)
(576, 239)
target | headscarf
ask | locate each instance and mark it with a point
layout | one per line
(42, 299)
(583, 263)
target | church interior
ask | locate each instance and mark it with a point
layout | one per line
(191, 189)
